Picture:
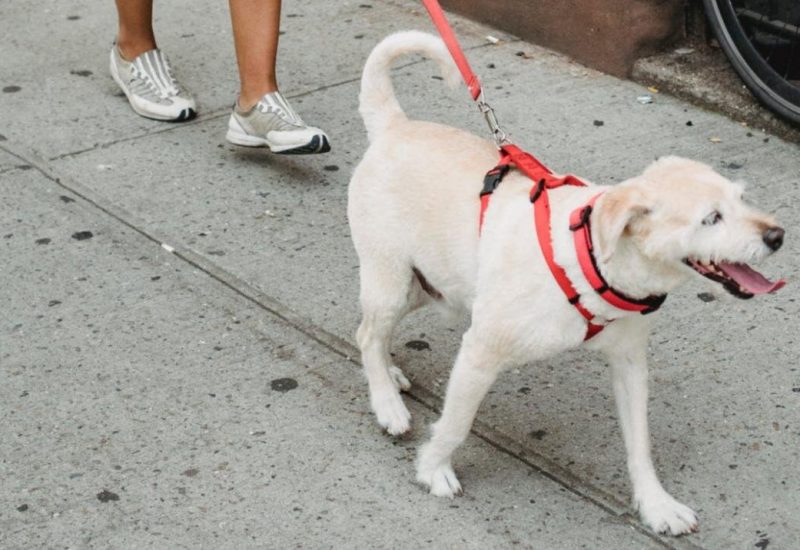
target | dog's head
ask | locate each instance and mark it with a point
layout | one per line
(681, 216)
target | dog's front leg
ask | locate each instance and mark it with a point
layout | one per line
(474, 372)
(657, 508)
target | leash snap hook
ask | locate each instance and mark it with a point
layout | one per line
(500, 137)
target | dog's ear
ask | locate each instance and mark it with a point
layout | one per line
(615, 212)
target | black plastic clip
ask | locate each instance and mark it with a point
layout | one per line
(653, 303)
(493, 178)
(537, 190)
(583, 219)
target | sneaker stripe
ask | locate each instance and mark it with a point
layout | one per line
(148, 69)
(139, 88)
(293, 117)
(152, 61)
(140, 67)
(270, 102)
(153, 72)
(275, 99)
(141, 74)
(161, 67)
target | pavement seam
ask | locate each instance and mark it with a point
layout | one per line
(170, 127)
(515, 449)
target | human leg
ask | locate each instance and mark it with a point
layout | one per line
(262, 115)
(135, 33)
(256, 24)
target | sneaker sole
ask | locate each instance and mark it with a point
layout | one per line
(318, 144)
(184, 115)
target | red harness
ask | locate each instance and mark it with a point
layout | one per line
(513, 156)
(543, 178)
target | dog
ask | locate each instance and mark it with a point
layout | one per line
(413, 210)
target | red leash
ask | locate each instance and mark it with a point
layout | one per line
(470, 78)
(450, 40)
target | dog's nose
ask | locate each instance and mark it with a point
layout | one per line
(773, 237)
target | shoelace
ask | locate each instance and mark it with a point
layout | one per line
(158, 78)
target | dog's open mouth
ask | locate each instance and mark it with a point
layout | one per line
(739, 279)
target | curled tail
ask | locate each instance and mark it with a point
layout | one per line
(377, 103)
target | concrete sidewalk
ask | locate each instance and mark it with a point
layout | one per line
(176, 341)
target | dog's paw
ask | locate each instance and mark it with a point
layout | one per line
(399, 379)
(392, 413)
(664, 514)
(441, 480)
(436, 474)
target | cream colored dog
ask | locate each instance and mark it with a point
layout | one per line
(413, 211)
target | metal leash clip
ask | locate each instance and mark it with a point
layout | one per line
(500, 137)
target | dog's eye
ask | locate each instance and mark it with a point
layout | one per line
(713, 218)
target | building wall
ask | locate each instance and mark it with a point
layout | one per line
(608, 35)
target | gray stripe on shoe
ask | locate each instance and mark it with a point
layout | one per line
(152, 63)
(161, 67)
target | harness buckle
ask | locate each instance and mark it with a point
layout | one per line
(493, 178)
(537, 190)
(580, 218)
(653, 303)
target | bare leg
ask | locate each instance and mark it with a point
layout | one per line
(256, 25)
(255, 33)
(657, 508)
(473, 374)
(135, 35)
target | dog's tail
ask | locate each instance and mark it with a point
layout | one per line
(377, 103)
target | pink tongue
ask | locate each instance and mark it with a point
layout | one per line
(750, 279)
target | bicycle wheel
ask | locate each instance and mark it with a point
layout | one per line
(761, 38)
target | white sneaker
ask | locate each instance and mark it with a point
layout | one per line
(273, 123)
(150, 87)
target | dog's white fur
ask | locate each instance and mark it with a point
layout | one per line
(413, 207)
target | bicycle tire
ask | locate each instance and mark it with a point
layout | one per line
(766, 84)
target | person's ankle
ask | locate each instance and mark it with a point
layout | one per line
(245, 106)
(130, 50)
(247, 100)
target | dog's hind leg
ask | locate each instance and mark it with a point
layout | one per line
(658, 509)
(388, 292)
(474, 373)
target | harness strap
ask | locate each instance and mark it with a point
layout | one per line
(541, 215)
(536, 171)
(490, 182)
(511, 156)
(525, 163)
(579, 224)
